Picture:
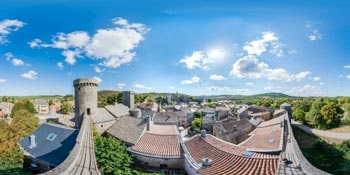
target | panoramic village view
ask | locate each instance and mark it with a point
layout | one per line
(174, 87)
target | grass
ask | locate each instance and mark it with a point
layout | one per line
(321, 154)
(304, 140)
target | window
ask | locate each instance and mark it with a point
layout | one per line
(51, 136)
(88, 111)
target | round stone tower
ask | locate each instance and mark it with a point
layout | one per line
(85, 98)
(288, 108)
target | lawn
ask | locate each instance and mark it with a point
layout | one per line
(322, 155)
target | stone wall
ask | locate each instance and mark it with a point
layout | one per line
(157, 161)
(306, 166)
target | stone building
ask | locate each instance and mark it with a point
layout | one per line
(159, 146)
(47, 147)
(5, 109)
(41, 106)
(233, 130)
(128, 99)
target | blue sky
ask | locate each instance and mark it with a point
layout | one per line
(193, 47)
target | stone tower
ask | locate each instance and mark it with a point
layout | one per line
(128, 99)
(288, 108)
(85, 98)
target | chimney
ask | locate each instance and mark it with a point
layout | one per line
(148, 118)
(32, 141)
(203, 133)
(234, 127)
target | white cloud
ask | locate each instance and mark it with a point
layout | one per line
(30, 75)
(97, 69)
(60, 65)
(7, 26)
(2, 80)
(217, 77)
(113, 46)
(321, 83)
(143, 87)
(71, 56)
(121, 85)
(172, 87)
(259, 46)
(216, 88)
(202, 59)
(193, 80)
(8, 56)
(250, 67)
(348, 76)
(305, 90)
(249, 83)
(99, 80)
(17, 62)
(347, 67)
(314, 34)
(316, 78)
(302, 75)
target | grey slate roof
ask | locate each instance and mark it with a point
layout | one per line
(118, 110)
(41, 102)
(128, 129)
(166, 118)
(103, 116)
(55, 151)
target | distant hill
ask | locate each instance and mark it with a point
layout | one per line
(272, 95)
(264, 95)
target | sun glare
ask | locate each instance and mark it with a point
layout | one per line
(215, 53)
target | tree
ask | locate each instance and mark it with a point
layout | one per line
(112, 156)
(330, 113)
(211, 105)
(198, 114)
(66, 107)
(23, 104)
(50, 102)
(299, 114)
(196, 124)
(314, 115)
(111, 99)
(25, 122)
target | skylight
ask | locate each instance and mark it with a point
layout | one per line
(51, 136)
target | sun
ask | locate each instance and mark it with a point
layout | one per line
(215, 53)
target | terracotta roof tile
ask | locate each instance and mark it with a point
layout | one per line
(228, 158)
(160, 141)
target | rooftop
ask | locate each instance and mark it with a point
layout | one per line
(160, 141)
(118, 110)
(266, 137)
(53, 143)
(228, 158)
(128, 129)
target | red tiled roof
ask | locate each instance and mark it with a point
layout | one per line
(160, 141)
(266, 137)
(228, 158)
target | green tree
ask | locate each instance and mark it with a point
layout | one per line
(25, 122)
(66, 107)
(112, 156)
(23, 104)
(111, 99)
(211, 105)
(50, 102)
(299, 114)
(198, 114)
(330, 113)
(196, 124)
